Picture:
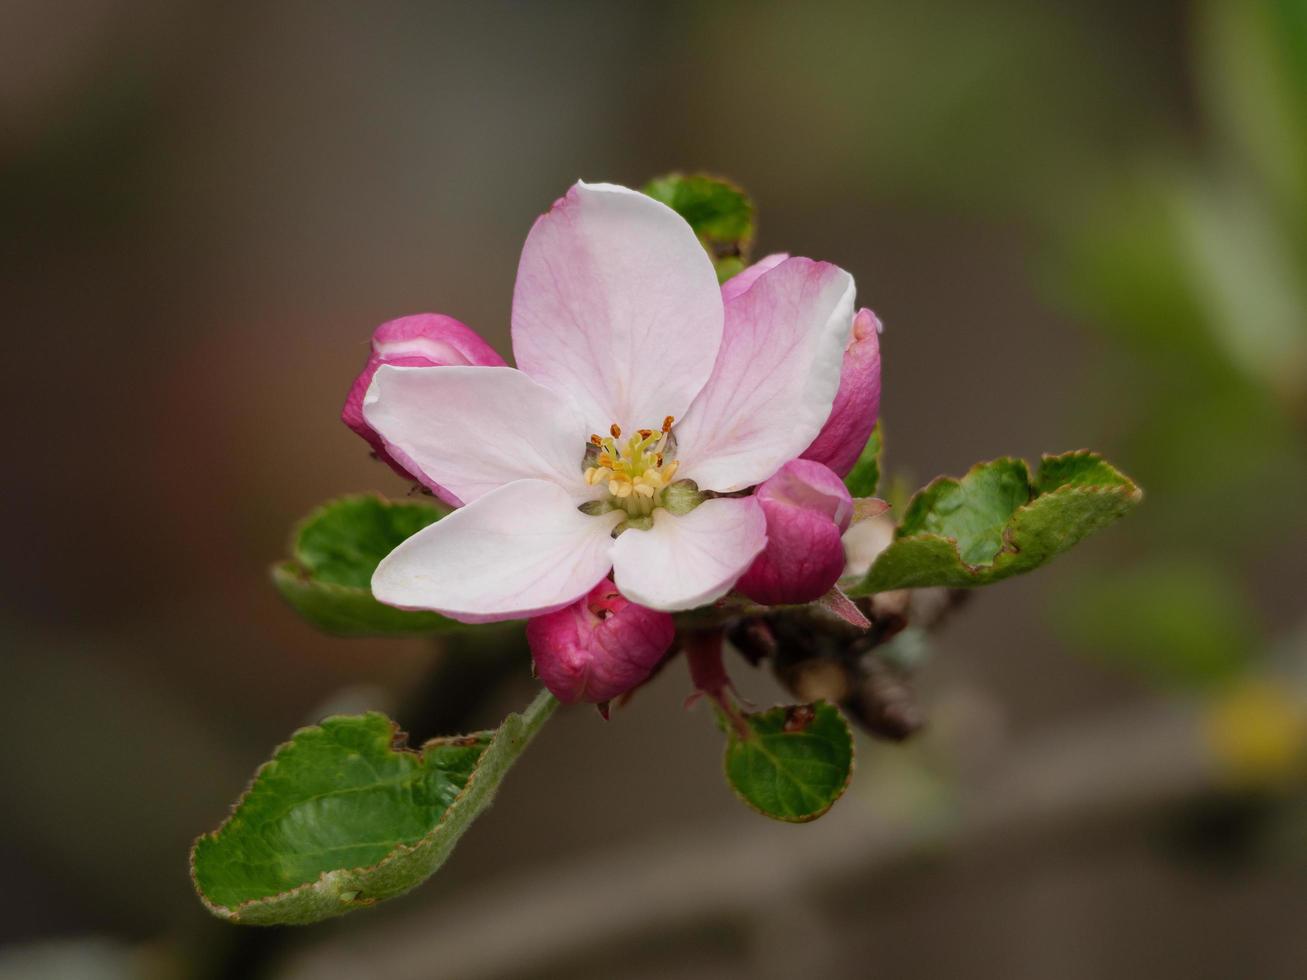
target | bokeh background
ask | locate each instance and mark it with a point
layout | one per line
(1083, 224)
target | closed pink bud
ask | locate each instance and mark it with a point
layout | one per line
(599, 647)
(422, 340)
(807, 508)
(857, 403)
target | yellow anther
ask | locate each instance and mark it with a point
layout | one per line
(634, 470)
(596, 440)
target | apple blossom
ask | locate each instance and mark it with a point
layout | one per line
(645, 405)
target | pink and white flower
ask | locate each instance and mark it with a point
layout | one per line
(646, 403)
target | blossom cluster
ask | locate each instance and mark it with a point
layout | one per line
(663, 441)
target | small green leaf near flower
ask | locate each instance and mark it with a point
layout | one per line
(794, 763)
(864, 478)
(344, 816)
(997, 521)
(335, 550)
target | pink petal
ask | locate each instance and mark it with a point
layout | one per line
(807, 508)
(775, 378)
(688, 561)
(599, 647)
(472, 429)
(742, 280)
(521, 550)
(857, 403)
(422, 340)
(616, 305)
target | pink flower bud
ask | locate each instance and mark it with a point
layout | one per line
(599, 647)
(857, 403)
(422, 340)
(807, 508)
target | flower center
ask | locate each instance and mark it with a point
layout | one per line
(635, 472)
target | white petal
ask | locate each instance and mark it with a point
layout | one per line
(518, 551)
(775, 378)
(617, 305)
(472, 429)
(687, 561)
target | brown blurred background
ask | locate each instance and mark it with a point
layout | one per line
(1053, 207)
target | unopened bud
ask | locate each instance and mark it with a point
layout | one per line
(600, 647)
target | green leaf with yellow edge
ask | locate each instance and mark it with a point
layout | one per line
(864, 478)
(997, 522)
(335, 550)
(793, 762)
(344, 816)
(720, 213)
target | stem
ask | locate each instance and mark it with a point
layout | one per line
(703, 654)
(534, 715)
(514, 735)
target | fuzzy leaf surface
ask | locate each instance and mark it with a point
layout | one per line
(344, 816)
(997, 521)
(335, 550)
(794, 763)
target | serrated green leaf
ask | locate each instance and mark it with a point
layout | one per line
(336, 549)
(344, 816)
(720, 213)
(794, 763)
(996, 522)
(864, 478)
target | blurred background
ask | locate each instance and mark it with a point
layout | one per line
(1083, 225)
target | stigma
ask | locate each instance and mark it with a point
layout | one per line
(634, 471)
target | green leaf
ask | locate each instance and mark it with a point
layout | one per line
(720, 213)
(864, 478)
(344, 816)
(997, 522)
(1178, 623)
(336, 549)
(794, 763)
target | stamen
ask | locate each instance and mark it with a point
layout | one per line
(635, 470)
